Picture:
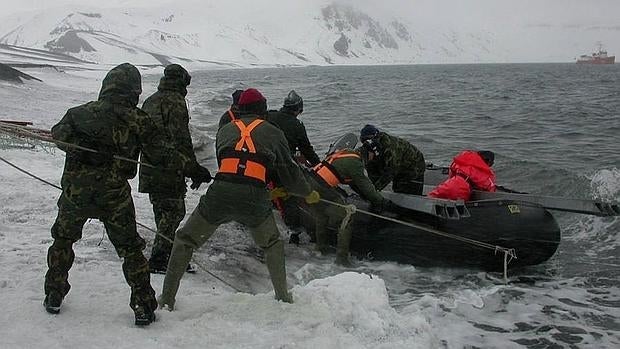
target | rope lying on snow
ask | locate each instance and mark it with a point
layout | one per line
(202, 267)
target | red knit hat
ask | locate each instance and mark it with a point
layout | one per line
(250, 96)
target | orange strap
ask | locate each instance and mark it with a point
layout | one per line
(234, 164)
(327, 175)
(246, 138)
(325, 171)
(250, 168)
(231, 115)
(340, 155)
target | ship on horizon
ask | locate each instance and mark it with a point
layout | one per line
(598, 57)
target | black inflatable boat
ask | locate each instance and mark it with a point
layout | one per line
(510, 221)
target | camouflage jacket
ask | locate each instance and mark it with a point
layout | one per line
(168, 110)
(295, 133)
(398, 158)
(112, 125)
(271, 145)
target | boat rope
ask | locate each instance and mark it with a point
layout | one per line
(509, 253)
(350, 210)
(25, 132)
(200, 265)
(29, 173)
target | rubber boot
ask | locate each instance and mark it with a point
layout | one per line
(52, 302)
(322, 244)
(179, 258)
(194, 233)
(342, 250)
(274, 258)
(60, 257)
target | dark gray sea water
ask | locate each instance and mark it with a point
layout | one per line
(555, 129)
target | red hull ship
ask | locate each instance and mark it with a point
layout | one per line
(599, 57)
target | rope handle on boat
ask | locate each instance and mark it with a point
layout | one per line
(200, 265)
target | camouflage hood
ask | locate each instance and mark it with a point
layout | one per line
(175, 79)
(123, 83)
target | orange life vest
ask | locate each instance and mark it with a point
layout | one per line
(231, 115)
(326, 171)
(243, 161)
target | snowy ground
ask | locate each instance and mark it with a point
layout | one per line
(345, 310)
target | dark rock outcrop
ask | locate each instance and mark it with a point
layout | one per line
(342, 45)
(13, 75)
(69, 42)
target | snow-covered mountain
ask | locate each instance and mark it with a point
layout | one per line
(250, 33)
(295, 34)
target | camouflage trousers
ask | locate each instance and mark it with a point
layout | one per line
(115, 209)
(169, 211)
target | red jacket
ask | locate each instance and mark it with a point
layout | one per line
(468, 171)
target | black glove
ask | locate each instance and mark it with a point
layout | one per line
(386, 206)
(377, 209)
(201, 175)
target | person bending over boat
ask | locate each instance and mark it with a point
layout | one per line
(469, 170)
(341, 166)
(287, 120)
(392, 159)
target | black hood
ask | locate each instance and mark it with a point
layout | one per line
(176, 79)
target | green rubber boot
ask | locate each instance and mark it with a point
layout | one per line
(274, 258)
(179, 258)
(342, 250)
(322, 244)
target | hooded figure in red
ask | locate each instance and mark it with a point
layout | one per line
(469, 170)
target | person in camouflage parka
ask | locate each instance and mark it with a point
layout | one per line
(166, 186)
(95, 185)
(392, 159)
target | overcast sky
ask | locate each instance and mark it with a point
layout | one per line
(554, 11)
(497, 16)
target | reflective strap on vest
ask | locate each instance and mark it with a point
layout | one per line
(246, 139)
(231, 115)
(326, 171)
(249, 168)
(243, 160)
